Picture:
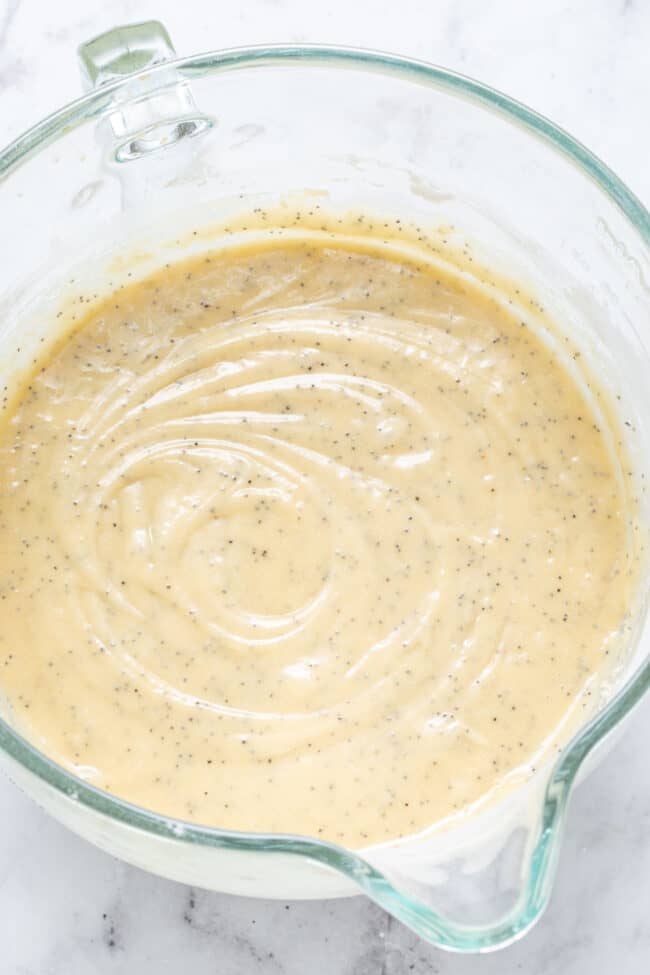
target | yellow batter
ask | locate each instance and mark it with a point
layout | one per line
(305, 538)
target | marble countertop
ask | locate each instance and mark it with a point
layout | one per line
(66, 908)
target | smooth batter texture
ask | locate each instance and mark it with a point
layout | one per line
(305, 538)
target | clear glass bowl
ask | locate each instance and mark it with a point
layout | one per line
(159, 150)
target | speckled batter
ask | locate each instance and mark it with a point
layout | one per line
(305, 538)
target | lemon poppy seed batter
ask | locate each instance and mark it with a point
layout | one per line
(305, 537)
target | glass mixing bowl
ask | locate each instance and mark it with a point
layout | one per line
(161, 150)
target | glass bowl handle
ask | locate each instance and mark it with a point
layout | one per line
(153, 110)
(123, 51)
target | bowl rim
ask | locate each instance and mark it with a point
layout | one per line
(429, 925)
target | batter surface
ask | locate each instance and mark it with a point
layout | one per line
(305, 538)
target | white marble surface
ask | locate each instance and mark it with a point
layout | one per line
(67, 909)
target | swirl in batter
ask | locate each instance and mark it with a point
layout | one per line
(309, 538)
